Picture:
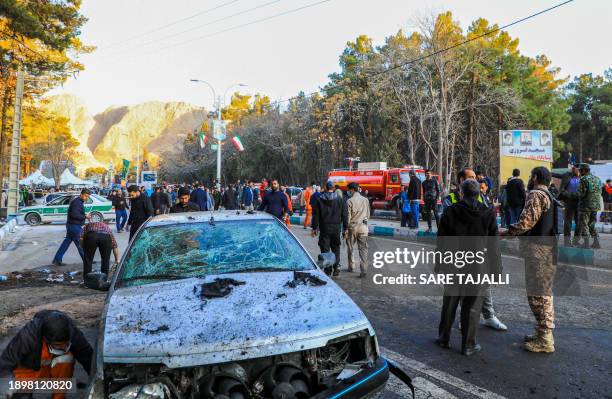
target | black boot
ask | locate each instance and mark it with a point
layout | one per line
(567, 241)
(596, 243)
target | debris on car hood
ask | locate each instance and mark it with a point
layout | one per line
(219, 288)
(262, 317)
(304, 278)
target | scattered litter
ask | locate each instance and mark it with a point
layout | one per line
(45, 271)
(73, 273)
(159, 329)
(3, 277)
(55, 278)
(219, 288)
(305, 279)
(19, 276)
(281, 295)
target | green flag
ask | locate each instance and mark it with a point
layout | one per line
(126, 168)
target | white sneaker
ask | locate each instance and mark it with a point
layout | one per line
(495, 324)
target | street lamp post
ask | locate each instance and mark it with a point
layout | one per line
(219, 119)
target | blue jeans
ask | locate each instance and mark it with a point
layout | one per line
(73, 235)
(121, 218)
(513, 215)
(414, 209)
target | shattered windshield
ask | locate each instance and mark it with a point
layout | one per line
(199, 249)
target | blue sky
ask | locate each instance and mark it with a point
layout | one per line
(294, 52)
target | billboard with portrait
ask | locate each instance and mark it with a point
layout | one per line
(524, 150)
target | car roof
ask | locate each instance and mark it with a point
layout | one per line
(199, 217)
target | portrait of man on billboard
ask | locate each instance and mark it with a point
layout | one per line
(507, 138)
(545, 138)
(525, 138)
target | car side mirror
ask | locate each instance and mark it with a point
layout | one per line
(326, 260)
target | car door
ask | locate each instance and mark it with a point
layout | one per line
(57, 209)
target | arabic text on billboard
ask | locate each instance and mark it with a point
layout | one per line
(530, 144)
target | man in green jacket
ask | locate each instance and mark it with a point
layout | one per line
(589, 202)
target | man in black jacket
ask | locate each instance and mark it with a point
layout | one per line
(160, 201)
(414, 196)
(431, 193)
(120, 205)
(74, 225)
(329, 216)
(46, 347)
(183, 204)
(515, 196)
(466, 226)
(567, 193)
(141, 209)
(229, 200)
(274, 201)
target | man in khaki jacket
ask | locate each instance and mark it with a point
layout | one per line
(358, 215)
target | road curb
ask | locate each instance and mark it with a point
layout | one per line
(570, 255)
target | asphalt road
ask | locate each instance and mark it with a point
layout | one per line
(406, 320)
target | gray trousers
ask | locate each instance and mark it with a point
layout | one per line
(487, 304)
(361, 239)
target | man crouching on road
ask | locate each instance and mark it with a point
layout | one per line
(46, 347)
(537, 223)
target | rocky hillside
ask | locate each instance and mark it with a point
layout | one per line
(115, 133)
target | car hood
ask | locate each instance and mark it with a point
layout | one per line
(169, 323)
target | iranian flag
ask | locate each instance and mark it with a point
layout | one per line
(203, 139)
(237, 143)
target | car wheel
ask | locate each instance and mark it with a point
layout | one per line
(33, 219)
(97, 217)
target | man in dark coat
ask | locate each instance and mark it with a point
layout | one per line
(160, 201)
(46, 347)
(141, 209)
(183, 204)
(229, 200)
(275, 202)
(329, 219)
(467, 225)
(74, 226)
(200, 197)
(515, 196)
(414, 196)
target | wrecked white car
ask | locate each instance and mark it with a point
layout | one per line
(230, 305)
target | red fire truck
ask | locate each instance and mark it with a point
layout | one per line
(383, 184)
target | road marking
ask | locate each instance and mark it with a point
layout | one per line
(440, 376)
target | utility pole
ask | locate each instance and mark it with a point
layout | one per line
(219, 141)
(13, 194)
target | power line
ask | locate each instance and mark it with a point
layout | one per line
(421, 58)
(170, 24)
(206, 24)
(470, 40)
(291, 11)
(294, 10)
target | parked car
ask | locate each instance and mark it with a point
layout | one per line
(227, 305)
(56, 210)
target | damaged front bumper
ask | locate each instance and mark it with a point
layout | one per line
(366, 383)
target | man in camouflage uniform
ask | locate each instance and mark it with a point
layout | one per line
(589, 202)
(536, 225)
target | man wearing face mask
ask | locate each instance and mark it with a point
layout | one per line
(46, 347)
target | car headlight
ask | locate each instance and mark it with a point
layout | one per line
(157, 390)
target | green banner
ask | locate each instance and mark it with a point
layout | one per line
(126, 168)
